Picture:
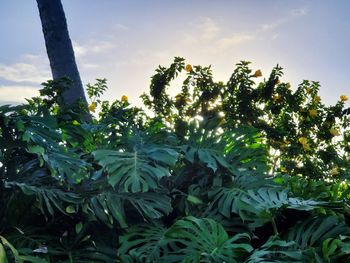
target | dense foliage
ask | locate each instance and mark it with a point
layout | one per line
(235, 172)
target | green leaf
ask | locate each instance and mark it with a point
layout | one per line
(204, 240)
(194, 200)
(259, 206)
(3, 257)
(13, 250)
(70, 209)
(78, 227)
(48, 198)
(148, 206)
(36, 149)
(137, 171)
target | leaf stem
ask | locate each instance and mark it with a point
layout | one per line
(274, 226)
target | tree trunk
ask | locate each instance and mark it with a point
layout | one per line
(60, 50)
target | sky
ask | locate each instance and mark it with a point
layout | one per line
(124, 41)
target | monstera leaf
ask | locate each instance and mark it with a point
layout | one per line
(48, 199)
(146, 243)
(204, 240)
(187, 240)
(137, 171)
(312, 232)
(112, 206)
(317, 239)
(276, 250)
(259, 206)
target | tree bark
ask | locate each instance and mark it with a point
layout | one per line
(60, 50)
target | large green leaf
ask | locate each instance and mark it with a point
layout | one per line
(276, 250)
(137, 171)
(111, 206)
(146, 243)
(204, 240)
(48, 198)
(312, 232)
(259, 206)
(187, 240)
(317, 239)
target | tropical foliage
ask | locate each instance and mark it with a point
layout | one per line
(236, 172)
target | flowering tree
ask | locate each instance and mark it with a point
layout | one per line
(304, 135)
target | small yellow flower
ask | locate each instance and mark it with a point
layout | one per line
(222, 121)
(313, 113)
(334, 131)
(303, 141)
(188, 68)
(334, 171)
(317, 98)
(306, 147)
(344, 98)
(124, 98)
(92, 106)
(276, 97)
(257, 73)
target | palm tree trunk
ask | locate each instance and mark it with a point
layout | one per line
(60, 50)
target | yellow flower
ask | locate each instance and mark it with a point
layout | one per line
(344, 98)
(334, 171)
(313, 113)
(277, 81)
(317, 98)
(306, 147)
(334, 131)
(124, 98)
(188, 68)
(92, 106)
(302, 140)
(257, 73)
(222, 121)
(304, 143)
(276, 97)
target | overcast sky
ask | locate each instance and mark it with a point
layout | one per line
(124, 41)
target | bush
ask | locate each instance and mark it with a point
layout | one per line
(235, 172)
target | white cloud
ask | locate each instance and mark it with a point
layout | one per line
(17, 93)
(299, 12)
(119, 27)
(293, 14)
(33, 69)
(227, 42)
(92, 47)
(209, 28)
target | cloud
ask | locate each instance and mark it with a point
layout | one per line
(299, 12)
(293, 14)
(92, 47)
(32, 69)
(227, 42)
(17, 94)
(209, 28)
(119, 27)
